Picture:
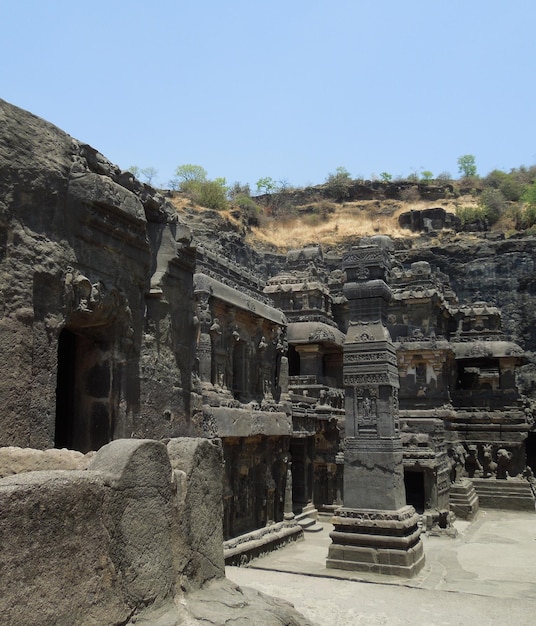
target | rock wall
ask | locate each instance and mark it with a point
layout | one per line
(95, 296)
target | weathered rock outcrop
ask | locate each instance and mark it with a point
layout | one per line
(15, 460)
(123, 540)
(429, 219)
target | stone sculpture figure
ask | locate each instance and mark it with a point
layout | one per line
(489, 467)
(457, 457)
(504, 459)
(472, 464)
(215, 329)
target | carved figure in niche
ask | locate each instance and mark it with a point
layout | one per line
(267, 391)
(287, 508)
(472, 464)
(366, 407)
(489, 467)
(261, 366)
(235, 333)
(126, 331)
(322, 397)
(504, 459)
(203, 312)
(281, 345)
(77, 290)
(215, 329)
(456, 461)
(197, 328)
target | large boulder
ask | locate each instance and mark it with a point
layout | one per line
(122, 541)
(197, 514)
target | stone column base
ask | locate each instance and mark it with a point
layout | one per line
(376, 541)
(463, 499)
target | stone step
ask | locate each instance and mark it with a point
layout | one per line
(310, 525)
(510, 494)
(308, 520)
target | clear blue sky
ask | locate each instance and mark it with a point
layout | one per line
(289, 89)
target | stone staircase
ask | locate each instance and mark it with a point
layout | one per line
(514, 494)
(308, 519)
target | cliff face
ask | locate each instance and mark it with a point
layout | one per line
(499, 271)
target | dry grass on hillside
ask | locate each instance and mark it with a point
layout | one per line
(349, 220)
(328, 223)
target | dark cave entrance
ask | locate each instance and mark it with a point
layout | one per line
(84, 398)
(530, 447)
(414, 482)
(239, 372)
(293, 361)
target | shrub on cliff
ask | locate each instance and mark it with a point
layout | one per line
(493, 204)
(251, 211)
(527, 214)
(337, 184)
(508, 184)
(210, 193)
(193, 181)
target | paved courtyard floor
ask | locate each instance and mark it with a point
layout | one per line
(486, 575)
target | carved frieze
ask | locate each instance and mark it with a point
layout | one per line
(479, 350)
(403, 514)
(322, 334)
(369, 357)
(376, 378)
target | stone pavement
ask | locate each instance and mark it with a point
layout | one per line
(486, 576)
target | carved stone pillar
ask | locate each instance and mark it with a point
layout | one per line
(288, 513)
(204, 342)
(375, 530)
